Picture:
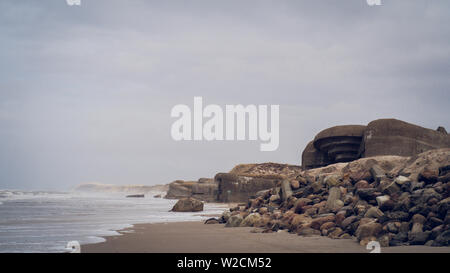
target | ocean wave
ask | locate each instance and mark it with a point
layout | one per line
(6, 195)
(46, 221)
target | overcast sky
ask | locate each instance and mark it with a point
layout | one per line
(86, 92)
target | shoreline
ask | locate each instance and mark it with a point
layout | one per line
(197, 237)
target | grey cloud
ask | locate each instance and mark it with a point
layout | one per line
(86, 92)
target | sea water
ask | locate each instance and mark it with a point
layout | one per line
(47, 221)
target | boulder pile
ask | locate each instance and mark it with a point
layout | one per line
(390, 199)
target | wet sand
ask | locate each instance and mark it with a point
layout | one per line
(196, 237)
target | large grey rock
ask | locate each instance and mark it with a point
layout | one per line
(443, 239)
(377, 173)
(251, 220)
(286, 190)
(381, 200)
(188, 205)
(373, 212)
(368, 230)
(234, 221)
(333, 180)
(418, 221)
(334, 197)
(418, 238)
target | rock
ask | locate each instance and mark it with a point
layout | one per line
(434, 222)
(295, 184)
(308, 232)
(251, 220)
(317, 222)
(388, 205)
(333, 198)
(263, 210)
(316, 187)
(393, 227)
(286, 190)
(225, 216)
(265, 220)
(418, 221)
(382, 199)
(188, 205)
(429, 175)
(391, 188)
(428, 194)
(212, 221)
(443, 239)
(234, 221)
(377, 173)
(290, 202)
(336, 233)
(300, 220)
(400, 180)
(256, 230)
(404, 227)
(135, 196)
(403, 203)
(362, 184)
(427, 161)
(444, 207)
(399, 239)
(444, 178)
(348, 198)
(340, 217)
(327, 226)
(418, 238)
(264, 194)
(332, 180)
(371, 229)
(416, 186)
(373, 212)
(345, 236)
(366, 194)
(397, 215)
(275, 199)
(384, 240)
(300, 204)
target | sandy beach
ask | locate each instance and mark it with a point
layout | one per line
(196, 237)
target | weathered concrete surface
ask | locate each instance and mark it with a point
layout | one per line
(340, 143)
(396, 137)
(244, 181)
(204, 189)
(379, 137)
(238, 188)
(313, 158)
